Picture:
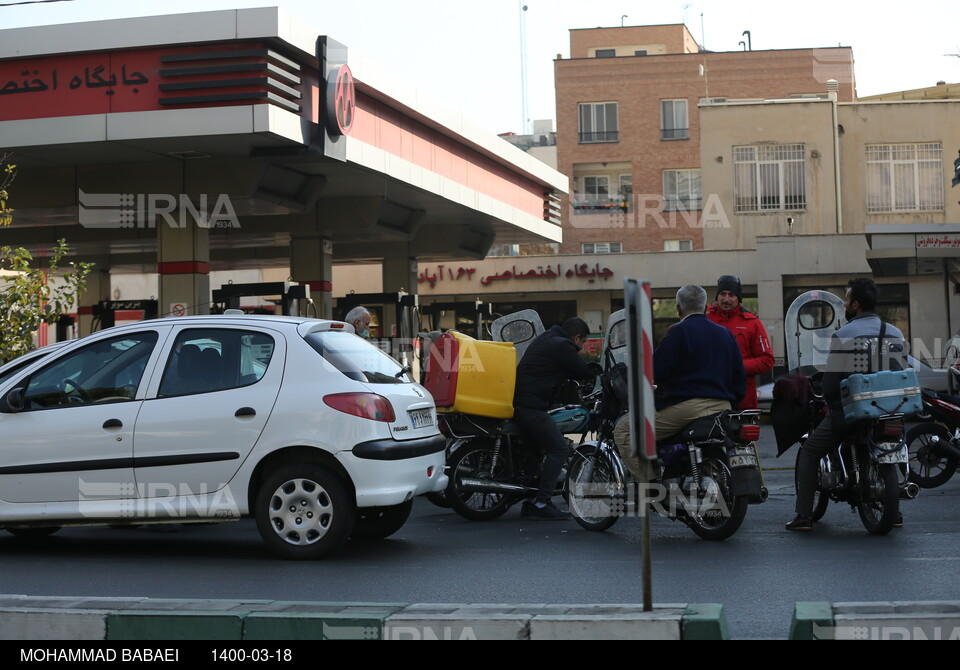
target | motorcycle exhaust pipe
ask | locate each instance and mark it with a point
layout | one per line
(483, 486)
(947, 446)
(909, 491)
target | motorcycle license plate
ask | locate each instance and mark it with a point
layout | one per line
(421, 418)
(896, 456)
(742, 457)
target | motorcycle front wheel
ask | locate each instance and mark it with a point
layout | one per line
(930, 466)
(719, 514)
(881, 503)
(594, 498)
(475, 461)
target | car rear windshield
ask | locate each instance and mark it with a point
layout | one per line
(357, 359)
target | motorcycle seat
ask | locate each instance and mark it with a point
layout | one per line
(511, 428)
(704, 428)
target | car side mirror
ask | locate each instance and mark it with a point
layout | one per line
(12, 402)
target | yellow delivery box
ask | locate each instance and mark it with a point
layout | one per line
(472, 376)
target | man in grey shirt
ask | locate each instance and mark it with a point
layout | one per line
(847, 356)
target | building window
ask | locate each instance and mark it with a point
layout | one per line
(599, 122)
(678, 245)
(602, 247)
(640, 52)
(681, 190)
(596, 190)
(674, 122)
(905, 177)
(594, 195)
(769, 178)
(605, 53)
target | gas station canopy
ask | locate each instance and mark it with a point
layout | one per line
(260, 131)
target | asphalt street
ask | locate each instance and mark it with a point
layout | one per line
(758, 574)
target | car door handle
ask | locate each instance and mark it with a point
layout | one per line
(245, 411)
(113, 423)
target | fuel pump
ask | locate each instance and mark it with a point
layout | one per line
(110, 313)
(229, 295)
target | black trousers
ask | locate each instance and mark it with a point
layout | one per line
(541, 427)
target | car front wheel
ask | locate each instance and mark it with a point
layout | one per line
(304, 511)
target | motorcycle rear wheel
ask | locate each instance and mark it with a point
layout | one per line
(929, 467)
(879, 512)
(593, 497)
(717, 525)
(474, 461)
(820, 497)
(438, 499)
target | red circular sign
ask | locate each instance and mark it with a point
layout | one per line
(341, 100)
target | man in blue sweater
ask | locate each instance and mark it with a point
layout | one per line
(698, 368)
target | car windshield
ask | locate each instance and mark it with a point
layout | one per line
(18, 364)
(357, 358)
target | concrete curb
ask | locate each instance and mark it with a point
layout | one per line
(936, 620)
(51, 618)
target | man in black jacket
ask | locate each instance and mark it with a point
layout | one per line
(552, 358)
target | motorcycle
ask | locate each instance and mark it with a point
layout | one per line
(865, 472)
(493, 464)
(707, 479)
(934, 446)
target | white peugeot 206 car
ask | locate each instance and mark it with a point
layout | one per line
(297, 422)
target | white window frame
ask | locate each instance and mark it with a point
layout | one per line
(769, 178)
(598, 122)
(678, 245)
(682, 191)
(598, 193)
(601, 247)
(905, 177)
(674, 119)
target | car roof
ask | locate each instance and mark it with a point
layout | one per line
(220, 319)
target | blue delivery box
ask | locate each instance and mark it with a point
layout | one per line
(889, 392)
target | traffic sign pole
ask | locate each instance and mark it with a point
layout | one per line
(643, 443)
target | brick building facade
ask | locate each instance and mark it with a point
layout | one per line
(628, 128)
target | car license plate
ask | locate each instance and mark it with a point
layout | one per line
(422, 418)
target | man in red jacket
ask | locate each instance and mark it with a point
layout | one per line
(747, 328)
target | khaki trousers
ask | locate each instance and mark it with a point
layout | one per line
(670, 421)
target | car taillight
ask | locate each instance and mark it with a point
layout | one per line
(365, 405)
(749, 432)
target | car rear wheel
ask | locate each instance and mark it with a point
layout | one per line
(304, 511)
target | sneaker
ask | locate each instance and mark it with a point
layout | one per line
(526, 507)
(800, 523)
(899, 522)
(547, 513)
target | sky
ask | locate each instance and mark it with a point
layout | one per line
(467, 55)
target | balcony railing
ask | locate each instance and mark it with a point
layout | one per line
(600, 207)
(674, 133)
(605, 136)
